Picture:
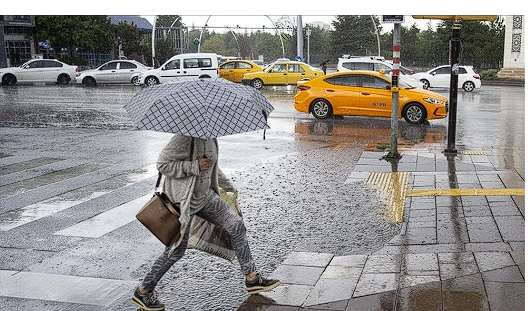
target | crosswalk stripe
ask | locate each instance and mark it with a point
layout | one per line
(30, 213)
(108, 221)
(63, 288)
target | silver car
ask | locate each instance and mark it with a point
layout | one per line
(115, 71)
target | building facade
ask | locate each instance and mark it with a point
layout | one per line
(513, 66)
(16, 46)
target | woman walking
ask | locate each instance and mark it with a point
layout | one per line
(193, 178)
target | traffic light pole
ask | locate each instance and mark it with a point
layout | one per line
(453, 87)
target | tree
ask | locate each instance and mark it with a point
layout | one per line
(167, 20)
(354, 35)
(93, 33)
(131, 40)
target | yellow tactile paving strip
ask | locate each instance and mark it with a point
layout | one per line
(465, 192)
(392, 187)
(475, 152)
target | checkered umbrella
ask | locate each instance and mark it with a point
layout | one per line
(203, 108)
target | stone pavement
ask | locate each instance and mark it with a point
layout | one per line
(454, 252)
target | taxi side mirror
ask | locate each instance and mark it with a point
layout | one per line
(381, 71)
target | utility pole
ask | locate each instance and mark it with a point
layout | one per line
(299, 36)
(395, 87)
(153, 41)
(454, 54)
(308, 33)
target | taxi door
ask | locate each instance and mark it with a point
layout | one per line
(227, 71)
(295, 73)
(343, 92)
(240, 70)
(277, 74)
(376, 97)
(125, 72)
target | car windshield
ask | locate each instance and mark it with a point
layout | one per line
(402, 84)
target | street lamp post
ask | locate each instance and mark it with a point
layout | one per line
(308, 33)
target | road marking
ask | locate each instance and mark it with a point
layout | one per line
(108, 221)
(392, 187)
(63, 288)
(465, 192)
(30, 213)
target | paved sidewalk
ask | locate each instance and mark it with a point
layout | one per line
(453, 252)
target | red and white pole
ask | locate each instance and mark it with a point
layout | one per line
(396, 45)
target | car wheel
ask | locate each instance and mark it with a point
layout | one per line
(414, 113)
(63, 79)
(468, 86)
(426, 84)
(257, 83)
(89, 81)
(135, 80)
(321, 109)
(9, 79)
(204, 77)
(151, 81)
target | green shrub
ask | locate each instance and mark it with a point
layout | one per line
(489, 74)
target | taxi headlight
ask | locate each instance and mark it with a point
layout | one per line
(434, 101)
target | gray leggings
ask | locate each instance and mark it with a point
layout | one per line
(218, 213)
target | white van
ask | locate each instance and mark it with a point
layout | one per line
(190, 65)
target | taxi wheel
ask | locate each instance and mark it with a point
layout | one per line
(321, 109)
(468, 86)
(426, 84)
(414, 113)
(257, 83)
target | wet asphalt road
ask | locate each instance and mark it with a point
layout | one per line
(285, 183)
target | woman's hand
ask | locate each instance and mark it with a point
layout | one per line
(204, 163)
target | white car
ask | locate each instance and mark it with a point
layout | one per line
(39, 70)
(115, 71)
(468, 79)
(186, 66)
(375, 63)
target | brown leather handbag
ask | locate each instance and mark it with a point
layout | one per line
(161, 217)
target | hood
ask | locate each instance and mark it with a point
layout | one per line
(426, 93)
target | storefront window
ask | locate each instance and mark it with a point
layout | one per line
(18, 52)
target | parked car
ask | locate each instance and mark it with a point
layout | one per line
(190, 65)
(282, 72)
(115, 71)
(234, 70)
(440, 76)
(376, 64)
(39, 70)
(366, 93)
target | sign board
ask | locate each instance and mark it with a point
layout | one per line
(392, 19)
(196, 41)
(298, 58)
(489, 18)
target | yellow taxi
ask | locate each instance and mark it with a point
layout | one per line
(366, 93)
(282, 72)
(234, 70)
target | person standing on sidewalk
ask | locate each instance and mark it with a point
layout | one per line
(181, 158)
